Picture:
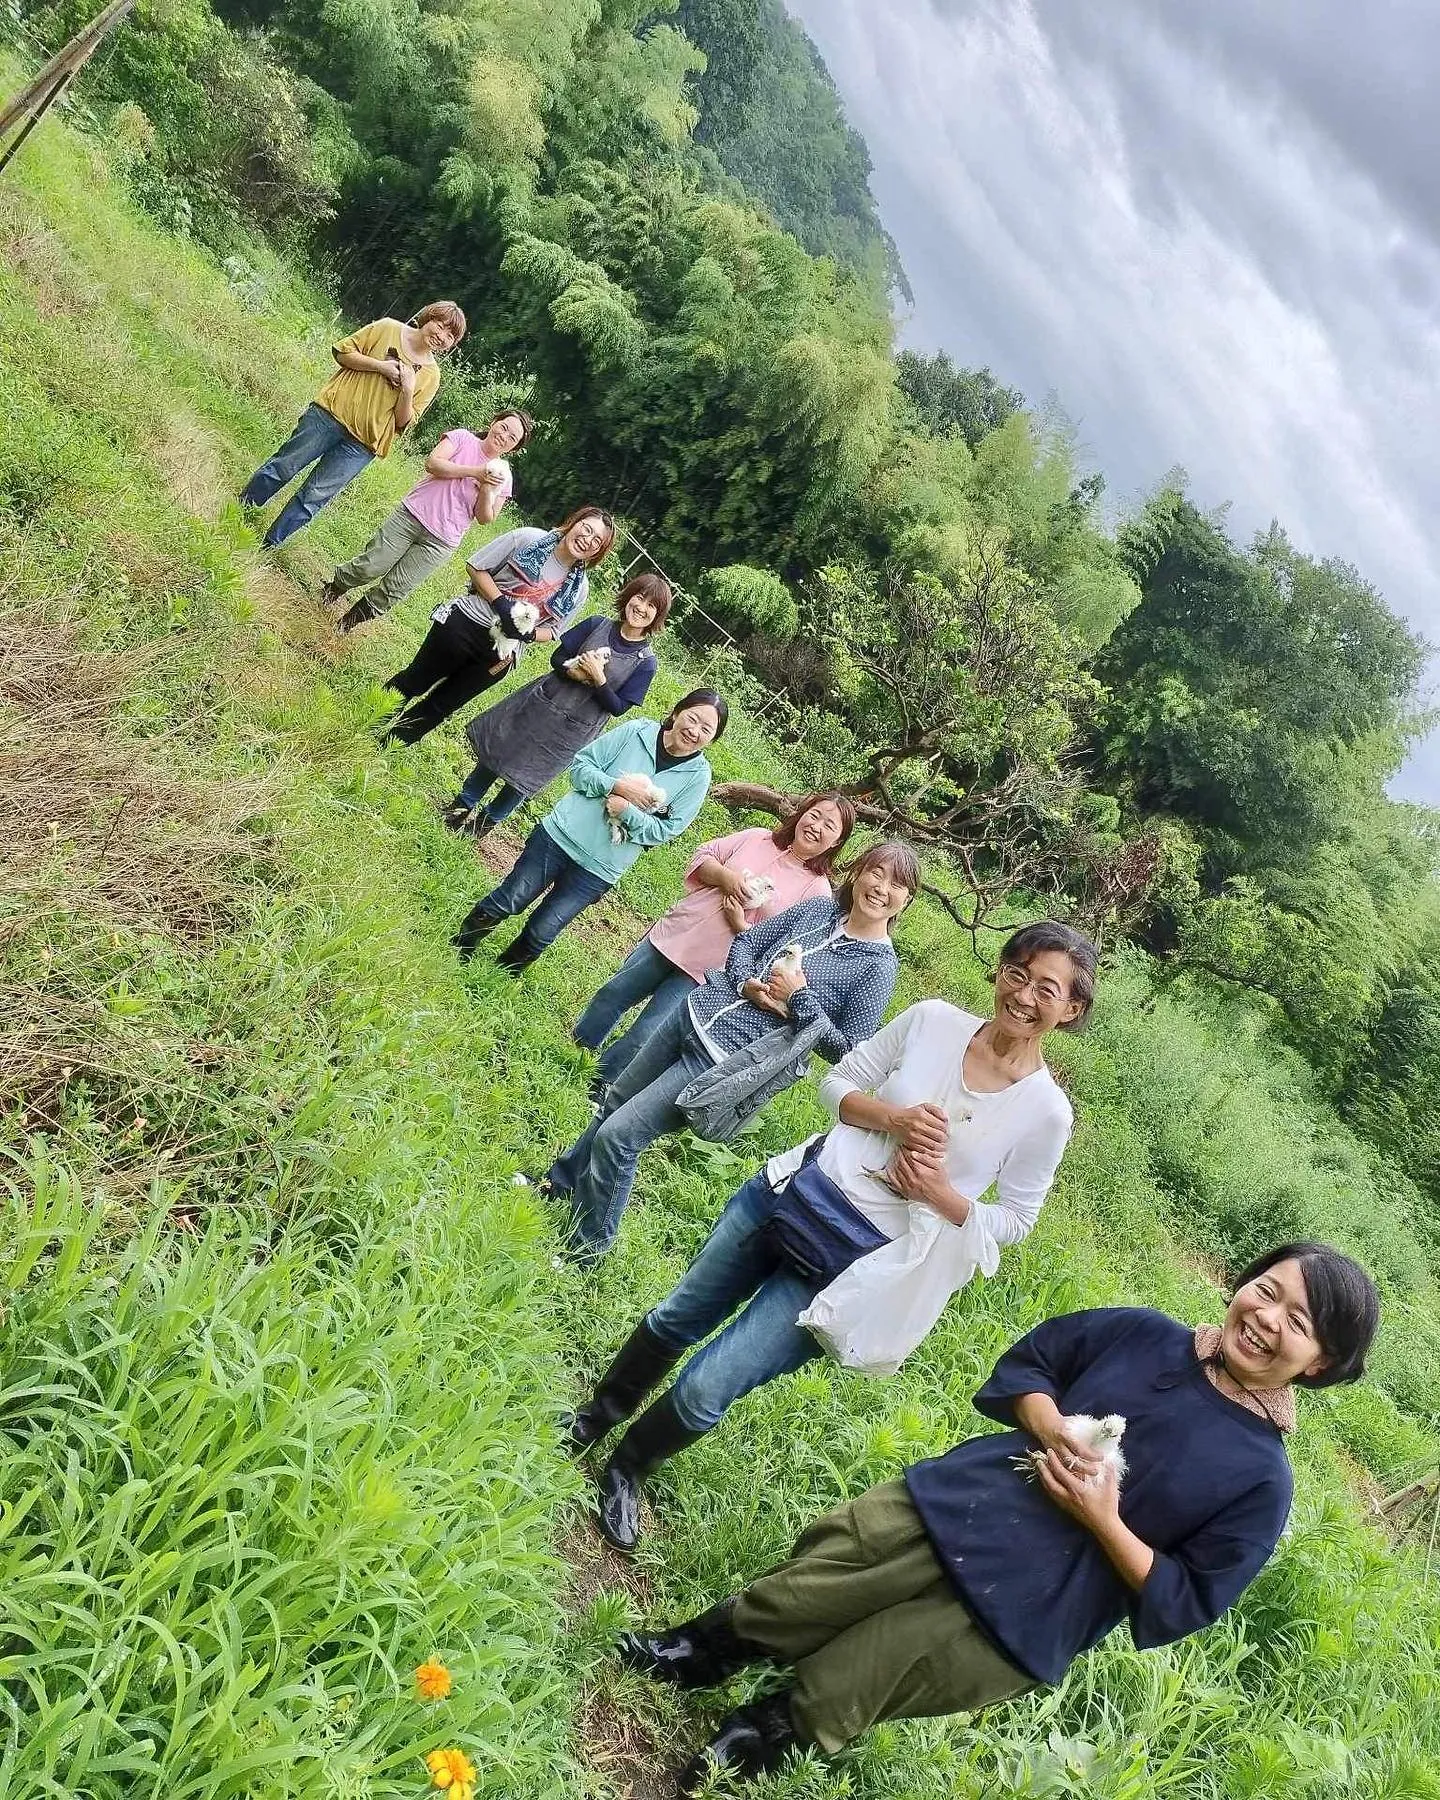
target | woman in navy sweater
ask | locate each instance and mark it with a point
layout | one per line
(988, 1570)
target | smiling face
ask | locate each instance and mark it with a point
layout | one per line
(877, 894)
(818, 829)
(1269, 1338)
(638, 614)
(691, 730)
(438, 337)
(587, 538)
(504, 434)
(1032, 1000)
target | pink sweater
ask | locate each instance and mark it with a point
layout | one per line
(694, 934)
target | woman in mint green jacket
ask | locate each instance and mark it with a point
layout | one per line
(598, 830)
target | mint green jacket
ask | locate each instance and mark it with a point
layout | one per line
(580, 825)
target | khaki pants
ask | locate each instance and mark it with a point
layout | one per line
(872, 1625)
(397, 559)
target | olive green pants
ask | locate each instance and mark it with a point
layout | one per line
(872, 1625)
(397, 559)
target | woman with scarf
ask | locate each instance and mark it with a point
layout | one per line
(458, 658)
(834, 992)
(930, 1114)
(600, 669)
(985, 1572)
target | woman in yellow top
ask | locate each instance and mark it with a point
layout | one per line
(386, 378)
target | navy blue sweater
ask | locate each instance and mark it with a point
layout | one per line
(1208, 1488)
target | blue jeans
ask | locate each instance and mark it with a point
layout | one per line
(542, 865)
(478, 783)
(736, 1265)
(598, 1170)
(646, 974)
(321, 439)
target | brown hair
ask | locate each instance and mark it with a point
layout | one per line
(655, 589)
(527, 424)
(783, 836)
(446, 312)
(898, 857)
(607, 525)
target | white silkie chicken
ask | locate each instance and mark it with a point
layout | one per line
(1100, 1436)
(523, 619)
(790, 960)
(758, 889)
(601, 656)
(655, 800)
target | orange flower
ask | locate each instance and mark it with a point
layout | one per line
(432, 1680)
(453, 1771)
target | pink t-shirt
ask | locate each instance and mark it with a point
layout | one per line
(447, 507)
(694, 934)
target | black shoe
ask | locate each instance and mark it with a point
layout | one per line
(456, 816)
(474, 930)
(654, 1438)
(701, 1653)
(641, 1362)
(517, 955)
(361, 613)
(331, 595)
(595, 1093)
(755, 1740)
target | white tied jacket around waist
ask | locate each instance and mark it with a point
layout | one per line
(872, 1316)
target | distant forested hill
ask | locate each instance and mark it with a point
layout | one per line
(770, 113)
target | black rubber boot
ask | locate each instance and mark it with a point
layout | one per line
(518, 954)
(701, 1653)
(361, 613)
(641, 1362)
(456, 816)
(475, 927)
(656, 1436)
(753, 1741)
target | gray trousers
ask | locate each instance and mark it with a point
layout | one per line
(873, 1627)
(397, 559)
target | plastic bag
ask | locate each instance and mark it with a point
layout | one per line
(874, 1314)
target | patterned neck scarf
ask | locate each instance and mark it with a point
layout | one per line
(1275, 1404)
(520, 577)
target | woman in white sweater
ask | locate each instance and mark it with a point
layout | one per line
(932, 1112)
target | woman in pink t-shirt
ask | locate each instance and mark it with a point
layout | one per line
(732, 882)
(467, 480)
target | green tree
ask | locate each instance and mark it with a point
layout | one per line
(947, 399)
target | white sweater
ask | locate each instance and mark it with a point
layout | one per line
(1012, 1140)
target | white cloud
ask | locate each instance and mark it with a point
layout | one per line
(1170, 233)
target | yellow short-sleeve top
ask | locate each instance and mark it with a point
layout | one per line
(365, 403)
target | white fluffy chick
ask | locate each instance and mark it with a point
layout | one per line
(655, 800)
(602, 656)
(524, 617)
(758, 888)
(1100, 1436)
(789, 961)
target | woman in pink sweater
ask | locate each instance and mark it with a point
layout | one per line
(732, 883)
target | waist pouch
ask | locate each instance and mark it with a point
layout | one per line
(816, 1229)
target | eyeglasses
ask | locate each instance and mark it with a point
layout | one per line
(1017, 979)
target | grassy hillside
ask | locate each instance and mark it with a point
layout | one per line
(281, 1347)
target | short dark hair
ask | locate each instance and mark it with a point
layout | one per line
(1051, 934)
(447, 312)
(783, 836)
(700, 697)
(607, 525)
(897, 856)
(1344, 1306)
(654, 588)
(527, 424)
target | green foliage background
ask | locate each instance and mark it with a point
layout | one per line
(282, 1350)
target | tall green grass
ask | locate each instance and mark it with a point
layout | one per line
(282, 1349)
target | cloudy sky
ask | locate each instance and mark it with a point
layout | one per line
(1211, 230)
